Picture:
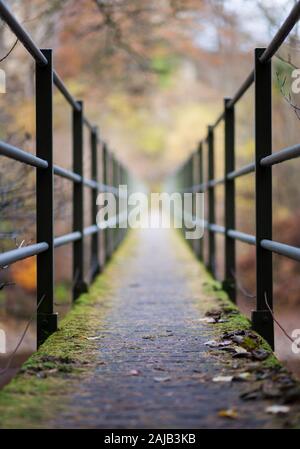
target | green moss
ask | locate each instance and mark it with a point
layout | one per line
(49, 375)
(213, 297)
(62, 293)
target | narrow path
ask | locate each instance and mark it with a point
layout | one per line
(153, 364)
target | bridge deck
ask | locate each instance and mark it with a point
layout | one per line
(150, 366)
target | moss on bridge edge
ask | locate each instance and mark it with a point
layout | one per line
(51, 374)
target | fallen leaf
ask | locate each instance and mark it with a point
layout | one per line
(270, 390)
(278, 409)
(134, 372)
(240, 350)
(162, 379)
(251, 395)
(242, 376)
(260, 354)
(218, 344)
(211, 343)
(97, 337)
(207, 320)
(237, 339)
(222, 379)
(229, 413)
(214, 313)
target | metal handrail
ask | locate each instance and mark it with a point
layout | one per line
(24, 252)
(281, 156)
(17, 154)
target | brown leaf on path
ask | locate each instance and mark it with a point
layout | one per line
(230, 413)
(260, 354)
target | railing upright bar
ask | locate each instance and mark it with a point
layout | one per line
(191, 182)
(110, 182)
(114, 183)
(195, 168)
(182, 186)
(46, 318)
(200, 181)
(79, 286)
(262, 319)
(118, 202)
(105, 180)
(94, 176)
(229, 269)
(211, 202)
(120, 177)
(186, 183)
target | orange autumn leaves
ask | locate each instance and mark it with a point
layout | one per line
(24, 274)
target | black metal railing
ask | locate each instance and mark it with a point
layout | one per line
(190, 179)
(114, 174)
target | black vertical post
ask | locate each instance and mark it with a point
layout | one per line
(262, 318)
(105, 179)
(124, 181)
(113, 177)
(94, 176)
(211, 202)
(110, 183)
(229, 256)
(118, 182)
(46, 318)
(186, 183)
(200, 181)
(191, 183)
(79, 286)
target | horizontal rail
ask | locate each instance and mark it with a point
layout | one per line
(93, 229)
(17, 254)
(282, 33)
(104, 188)
(241, 236)
(66, 238)
(88, 124)
(215, 182)
(33, 49)
(197, 188)
(242, 90)
(90, 183)
(237, 235)
(68, 174)
(219, 119)
(64, 91)
(22, 156)
(281, 248)
(241, 171)
(274, 45)
(22, 34)
(216, 228)
(281, 156)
